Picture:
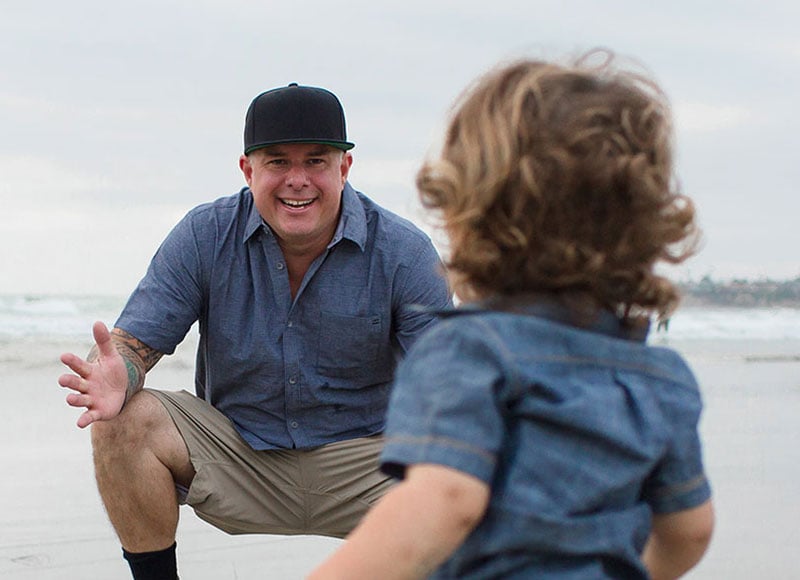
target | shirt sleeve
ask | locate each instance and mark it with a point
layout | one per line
(168, 299)
(421, 291)
(443, 408)
(678, 481)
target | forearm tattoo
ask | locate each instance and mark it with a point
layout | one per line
(139, 358)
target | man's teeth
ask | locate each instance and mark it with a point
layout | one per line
(297, 203)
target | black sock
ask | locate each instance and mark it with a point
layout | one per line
(160, 565)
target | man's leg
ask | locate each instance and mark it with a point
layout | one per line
(139, 456)
(235, 488)
(343, 480)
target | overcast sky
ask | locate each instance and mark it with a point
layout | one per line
(116, 118)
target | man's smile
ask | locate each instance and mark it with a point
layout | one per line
(298, 203)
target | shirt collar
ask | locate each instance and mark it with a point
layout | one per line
(601, 321)
(254, 220)
(352, 221)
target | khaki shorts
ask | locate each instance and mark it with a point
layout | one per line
(323, 491)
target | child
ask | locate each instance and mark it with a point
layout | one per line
(535, 433)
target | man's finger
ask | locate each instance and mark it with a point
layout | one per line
(78, 400)
(72, 382)
(77, 364)
(86, 419)
(102, 337)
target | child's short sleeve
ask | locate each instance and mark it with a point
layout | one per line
(678, 481)
(444, 407)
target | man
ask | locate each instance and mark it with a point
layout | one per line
(306, 293)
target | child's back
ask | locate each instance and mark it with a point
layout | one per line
(582, 431)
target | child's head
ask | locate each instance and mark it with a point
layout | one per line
(557, 178)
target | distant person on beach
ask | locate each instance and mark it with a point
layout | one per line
(306, 293)
(535, 432)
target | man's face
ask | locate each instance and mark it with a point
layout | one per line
(297, 189)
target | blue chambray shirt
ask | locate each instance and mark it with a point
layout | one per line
(291, 374)
(581, 433)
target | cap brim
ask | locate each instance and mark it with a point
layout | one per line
(343, 145)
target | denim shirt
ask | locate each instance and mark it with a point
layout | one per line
(291, 373)
(581, 433)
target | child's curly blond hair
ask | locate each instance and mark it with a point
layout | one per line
(559, 178)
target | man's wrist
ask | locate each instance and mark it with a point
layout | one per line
(135, 380)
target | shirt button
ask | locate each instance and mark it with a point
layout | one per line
(290, 324)
(292, 380)
(280, 266)
(293, 424)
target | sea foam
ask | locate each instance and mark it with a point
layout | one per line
(60, 317)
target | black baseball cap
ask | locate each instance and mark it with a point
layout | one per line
(295, 114)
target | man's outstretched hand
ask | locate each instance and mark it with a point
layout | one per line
(100, 384)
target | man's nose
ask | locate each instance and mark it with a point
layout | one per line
(296, 177)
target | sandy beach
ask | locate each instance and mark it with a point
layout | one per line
(52, 525)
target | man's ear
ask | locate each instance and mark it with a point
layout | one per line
(347, 163)
(247, 168)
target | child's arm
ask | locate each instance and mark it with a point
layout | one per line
(413, 529)
(678, 541)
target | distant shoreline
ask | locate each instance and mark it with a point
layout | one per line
(742, 293)
(742, 303)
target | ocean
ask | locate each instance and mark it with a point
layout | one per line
(70, 317)
(55, 317)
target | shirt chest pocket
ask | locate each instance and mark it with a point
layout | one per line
(354, 348)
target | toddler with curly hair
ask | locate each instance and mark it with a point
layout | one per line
(535, 432)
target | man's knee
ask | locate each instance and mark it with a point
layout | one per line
(142, 417)
(144, 430)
